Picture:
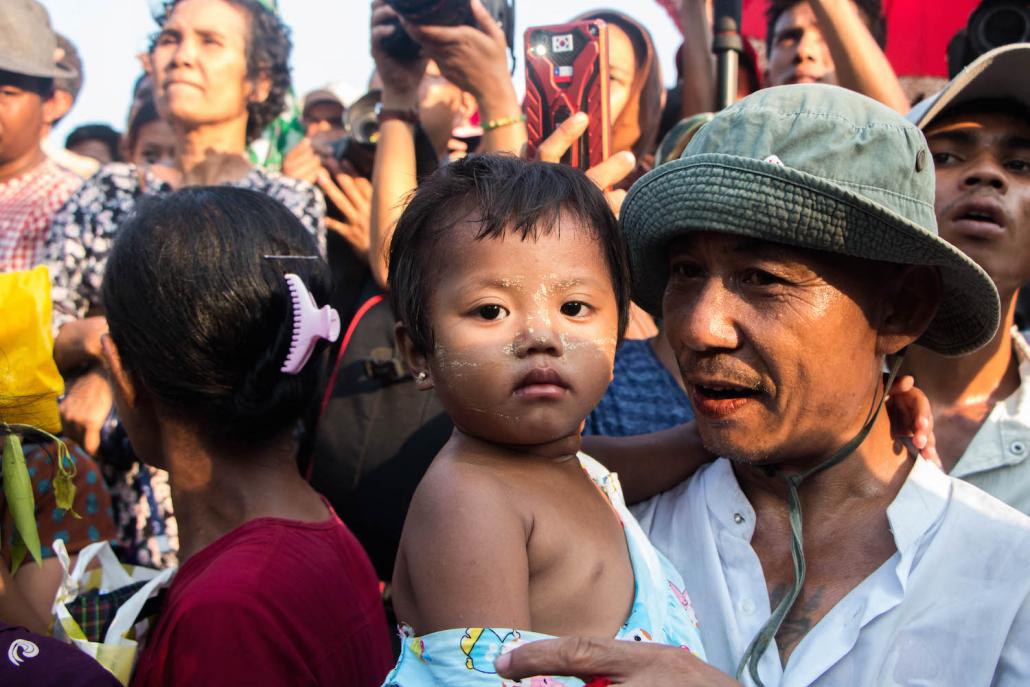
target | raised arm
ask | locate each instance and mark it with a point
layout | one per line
(859, 62)
(394, 171)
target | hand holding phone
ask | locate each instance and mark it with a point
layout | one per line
(567, 73)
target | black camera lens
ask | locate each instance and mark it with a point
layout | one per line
(994, 24)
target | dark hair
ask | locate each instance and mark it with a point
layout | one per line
(871, 12)
(142, 115)
(268, 54)
(40, 85)
(506, 195)
(96, 132)
(203, 320)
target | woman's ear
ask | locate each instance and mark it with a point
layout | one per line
(910, 304)
(416, 361)
(260, 88)
(121, 380)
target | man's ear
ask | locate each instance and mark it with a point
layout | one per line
(120, 378)
(57, 106)
(416, 361)
(910, 304)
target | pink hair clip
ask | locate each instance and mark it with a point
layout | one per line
(310, 323)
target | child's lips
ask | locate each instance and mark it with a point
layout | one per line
(542, 383)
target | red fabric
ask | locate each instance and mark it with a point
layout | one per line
(27, 205)
(918, 31)
(274, 602)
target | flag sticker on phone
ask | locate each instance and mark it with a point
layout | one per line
(562, 43)
(562, 74)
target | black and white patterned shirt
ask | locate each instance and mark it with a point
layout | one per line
(83, 231)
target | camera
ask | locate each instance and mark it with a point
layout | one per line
(443, 13)
(358, 145)
(992, 24)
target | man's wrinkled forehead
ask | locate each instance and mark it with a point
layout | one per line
(744, 246)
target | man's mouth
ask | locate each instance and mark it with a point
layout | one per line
(716, 399)
(979, 218)
(542, 383)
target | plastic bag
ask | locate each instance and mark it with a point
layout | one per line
(120, 646)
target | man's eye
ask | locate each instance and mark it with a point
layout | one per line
(759, 278)
(943, 158)
(1018, 165)
(684, 269)
(491, 312)
(574, 309)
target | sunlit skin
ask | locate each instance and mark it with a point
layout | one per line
(799, 52)
(781, 350)
(983, 191)
(23, 114)
(982, 161)
(200, 66)
(525, 334)
(750, 323)
(622, 69)
(511, 312)
(155, 145)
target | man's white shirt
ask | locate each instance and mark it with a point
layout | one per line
(950, 607)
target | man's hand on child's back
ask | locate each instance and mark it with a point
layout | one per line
(621, 663)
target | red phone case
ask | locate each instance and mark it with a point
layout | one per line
(567, 72)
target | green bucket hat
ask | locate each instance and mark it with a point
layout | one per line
(817, 167)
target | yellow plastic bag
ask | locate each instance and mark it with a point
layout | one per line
(29, 380)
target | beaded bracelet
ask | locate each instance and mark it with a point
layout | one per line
(503, 122)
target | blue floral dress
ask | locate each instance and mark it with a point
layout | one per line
(464, 657)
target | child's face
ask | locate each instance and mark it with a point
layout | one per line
(525, 333)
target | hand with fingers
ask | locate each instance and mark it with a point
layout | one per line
(912, 417)
(85, 408)
(400, 78)
(302, 162)
(605, 175)
(351, 194)
(611, 662)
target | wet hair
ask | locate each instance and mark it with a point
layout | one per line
(268, 54)
(506, 196)
(96, 132)
(145, 113)
(202, 320)
(871, 12)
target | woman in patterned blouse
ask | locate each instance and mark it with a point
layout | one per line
(220, 72)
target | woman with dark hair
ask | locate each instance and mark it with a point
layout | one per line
(216, 353)
(636, 89)
(220, 74)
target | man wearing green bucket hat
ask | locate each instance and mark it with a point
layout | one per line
(793, 253)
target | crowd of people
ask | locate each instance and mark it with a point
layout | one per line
(750, 414)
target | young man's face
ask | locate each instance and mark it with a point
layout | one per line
(983, 191)
(22, 116)
(799, 53)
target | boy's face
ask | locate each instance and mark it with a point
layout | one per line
(22, 116)
(525, 333)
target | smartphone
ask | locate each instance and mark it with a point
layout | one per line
(566, 73)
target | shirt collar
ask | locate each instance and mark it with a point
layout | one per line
(1004, 437)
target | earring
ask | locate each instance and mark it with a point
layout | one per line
(421, 375)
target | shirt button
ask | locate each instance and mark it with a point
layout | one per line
(738, 518)
(747, 606)
(1017, 447)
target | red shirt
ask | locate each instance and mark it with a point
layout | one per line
(274, 602)
(27, 205)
